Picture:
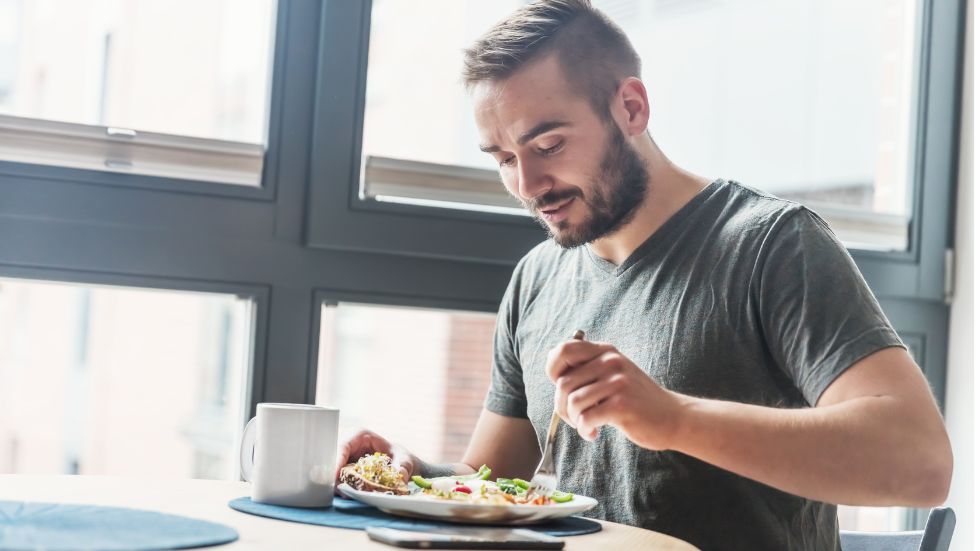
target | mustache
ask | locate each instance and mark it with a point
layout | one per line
(551, 198)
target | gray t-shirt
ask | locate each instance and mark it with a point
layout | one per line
(739, 296)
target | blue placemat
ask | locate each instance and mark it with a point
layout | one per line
(348, 513)
(64, 527)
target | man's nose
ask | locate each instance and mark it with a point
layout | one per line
(532, 181)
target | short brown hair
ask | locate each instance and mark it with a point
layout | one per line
(593, 52)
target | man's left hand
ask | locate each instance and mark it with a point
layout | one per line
(597, 385)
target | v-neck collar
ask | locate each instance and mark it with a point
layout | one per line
(658, 236)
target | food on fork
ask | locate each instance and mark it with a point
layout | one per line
(374, 473)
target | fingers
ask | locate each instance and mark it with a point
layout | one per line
(592, 395)
(572, 353)
(403, 461)
(603, 413)
(363, 442)
(607, 364)
(570, 383)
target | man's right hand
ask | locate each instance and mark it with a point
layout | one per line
(365, 442)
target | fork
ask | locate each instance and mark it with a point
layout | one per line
(545, 480)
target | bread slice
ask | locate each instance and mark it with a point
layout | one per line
(354, 479)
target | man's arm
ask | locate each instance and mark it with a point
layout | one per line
(508, 445)
(875, 437)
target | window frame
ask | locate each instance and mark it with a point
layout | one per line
(259, 295)
(919, 271)
(275, 113)
(333, 297)
(340, 219)
(96, 227)
(337, 217)
(305, 236)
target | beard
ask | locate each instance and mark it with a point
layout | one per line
(618, 188)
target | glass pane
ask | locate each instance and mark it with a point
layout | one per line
(817, 108)
(374, 356)
(872, 519)
(179, 67)
(432, 123)
(121, 381)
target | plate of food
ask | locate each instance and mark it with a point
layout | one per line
(474, 498)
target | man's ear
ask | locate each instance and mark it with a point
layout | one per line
(631, 107)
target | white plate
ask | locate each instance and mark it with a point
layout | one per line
(474, 513)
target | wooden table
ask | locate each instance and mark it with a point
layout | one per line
(208, 500)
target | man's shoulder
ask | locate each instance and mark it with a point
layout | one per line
(545, 256)
(746, 205)
(544, 265)
(530, 276)
(748, 219)
(759, 223)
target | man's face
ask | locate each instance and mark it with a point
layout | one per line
(572, 169)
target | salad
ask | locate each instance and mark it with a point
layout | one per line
(478, 488)
(375, 473)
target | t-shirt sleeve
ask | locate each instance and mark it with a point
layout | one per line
(506, 395)
(817, 312)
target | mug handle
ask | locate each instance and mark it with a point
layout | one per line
(247, 451)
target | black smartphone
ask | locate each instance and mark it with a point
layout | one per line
(466, 538)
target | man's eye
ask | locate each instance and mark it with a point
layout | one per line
(552, 150)
(508, 161)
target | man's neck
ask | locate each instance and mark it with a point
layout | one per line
(669, 188)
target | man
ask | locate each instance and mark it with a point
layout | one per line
(737, 376)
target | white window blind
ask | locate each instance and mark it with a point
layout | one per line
(461, 187)
(123, 150)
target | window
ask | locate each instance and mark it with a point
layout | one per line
(872, 519)
(121, 381)
(310, 236)
(375, 357)
(420, 142)
(818, 108)
(177, 89)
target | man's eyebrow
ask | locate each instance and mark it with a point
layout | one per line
(541, 128)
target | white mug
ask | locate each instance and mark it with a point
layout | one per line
(289, 454)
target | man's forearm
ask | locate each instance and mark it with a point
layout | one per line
(433, 470)
(864, 451)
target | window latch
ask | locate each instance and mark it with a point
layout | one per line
(949, 267)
